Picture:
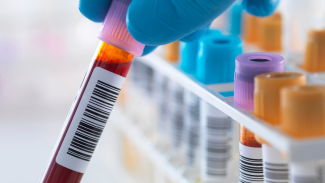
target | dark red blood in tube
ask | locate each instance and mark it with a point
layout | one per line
(112, 59)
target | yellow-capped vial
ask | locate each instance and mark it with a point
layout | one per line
(303, 111)
(267, 94)
(250, 28)
(172, 52)
(314, 60)
(267, 107)
(303, 116)
(269, 34)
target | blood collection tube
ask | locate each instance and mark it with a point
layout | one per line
(269, 34)
(162, 92)
(303, 117)
(141, 104)
(188, 60)
(249, 65)
(300, 16)
(188, 64)
(215, 68)
(250, 28)
(95, 99)
(172, 52)
(235, 16)
(267, 107)
(314, 58)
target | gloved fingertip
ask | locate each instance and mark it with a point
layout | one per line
(260, 8)
(148, 49)
(94, 10)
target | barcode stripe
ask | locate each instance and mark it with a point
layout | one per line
(115, 93)
(104, 95)
(218, 145)
(99, 125)
(250, 169)
(88, 131)
(90, 126)
(98, 110)
(109, 86)
(94, 117)
(99, 104)
(276, 172)
(86, 137)
(70, 151)
(101, 101)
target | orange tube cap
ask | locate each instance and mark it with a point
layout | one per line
(314, 60)
(267, 95)
(172, 52)
(303, 111)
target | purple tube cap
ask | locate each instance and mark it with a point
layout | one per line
(248, 66)
(259, 62)
(114, 30)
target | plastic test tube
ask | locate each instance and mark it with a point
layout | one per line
(215, 68)
(302, 116)
(171, 53)
(161, 93)
(176, 122)
(188, 63)
(300, 16)
(267, 107)
(143, 109)
(314, 58)
(269, 34)
(249, 65)
(235, 13)
(95, 99)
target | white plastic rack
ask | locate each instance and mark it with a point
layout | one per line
(146, 148)
(295, 150)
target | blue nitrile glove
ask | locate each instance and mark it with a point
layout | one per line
(158, 22)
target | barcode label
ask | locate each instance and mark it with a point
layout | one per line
(275, 166)
(142, 77)
(303, 172)
(217, 140)
(176, 114)
(192, 127)
(89, 120)
(218, 145)
(161, 90)
(250, 164)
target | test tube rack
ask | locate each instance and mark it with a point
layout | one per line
(295, 150)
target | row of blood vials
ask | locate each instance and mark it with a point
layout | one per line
(201, 140)
(296, 31)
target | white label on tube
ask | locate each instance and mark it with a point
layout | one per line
(301, 172)
(176, 114)
(250, 164)
(192, 127)
(89, 120)
(275, 166)
(217, 141)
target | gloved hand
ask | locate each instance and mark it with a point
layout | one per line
(158, 22)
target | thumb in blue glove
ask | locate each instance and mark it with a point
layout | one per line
(158, 22)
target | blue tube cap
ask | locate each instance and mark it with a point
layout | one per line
(189, 53)
(216, 58)
(236, 18)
